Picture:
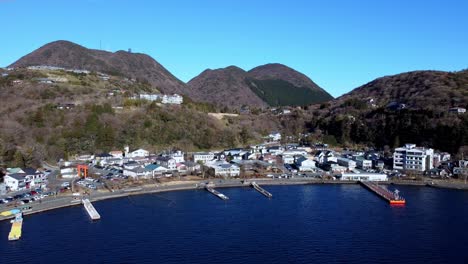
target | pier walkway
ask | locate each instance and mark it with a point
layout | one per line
(218, 194)
(261, 190)
(391, 197)
(91, 210)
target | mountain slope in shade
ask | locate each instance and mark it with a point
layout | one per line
(417, 89)
(132, 65)
(226, 86)
(271, 84)
(279, 85)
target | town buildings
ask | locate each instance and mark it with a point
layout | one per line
(413, 158)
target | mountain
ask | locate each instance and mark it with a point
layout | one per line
(280, 85)
(417, 90)
(411, 107)
(270, 84)
(132, 65)
(226, 86)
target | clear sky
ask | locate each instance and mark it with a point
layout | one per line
(340, 44)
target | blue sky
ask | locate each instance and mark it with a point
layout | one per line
(339, 44)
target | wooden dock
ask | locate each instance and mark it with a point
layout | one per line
(391, 197)
(91, 210)
(218, 194)
(261, 190)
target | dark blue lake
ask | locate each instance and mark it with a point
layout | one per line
(300, 224)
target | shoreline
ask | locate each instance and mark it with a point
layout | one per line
(67, 201)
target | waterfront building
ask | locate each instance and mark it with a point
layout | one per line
(225, 169)
(15, 182)
(413, 158)
(362, 177)
(305, 164)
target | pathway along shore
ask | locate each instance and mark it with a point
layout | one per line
(56, 202)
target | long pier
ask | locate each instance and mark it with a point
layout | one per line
(17, 225)
(91, 210)
(218, 194)
(391, 197)
(261, 190)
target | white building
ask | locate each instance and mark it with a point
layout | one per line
(203, 157)
(274, 136)
(167, 162)
(414, 158)
(363, 163)
(178, 156)
(15, 182)
(225, 169)
(363, 177)
(172, 99)
(150, 97)
(68, 172)
(304, 164)
(136, 153)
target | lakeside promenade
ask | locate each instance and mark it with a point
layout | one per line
(61, 201)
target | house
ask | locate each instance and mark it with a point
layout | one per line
(203, 157)
(363, 163)
(117, 154)
(413, 158)
(131, 165)
(288, 159)
(458, 110)
(103, 156)
(305, 164)
(224, 169)
(192, 166)
(178, 156)
(112, 161)
(167, 162)
(138, 172)
(350, 164)
(34, 178)
(276, 150)
(155, 169)
(15, 182)
(268, 158)
(136, 153)
(324, 156)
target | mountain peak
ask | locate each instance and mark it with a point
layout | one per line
(67, 54)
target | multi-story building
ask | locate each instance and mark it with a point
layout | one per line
(203, 157)
(413, 158)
